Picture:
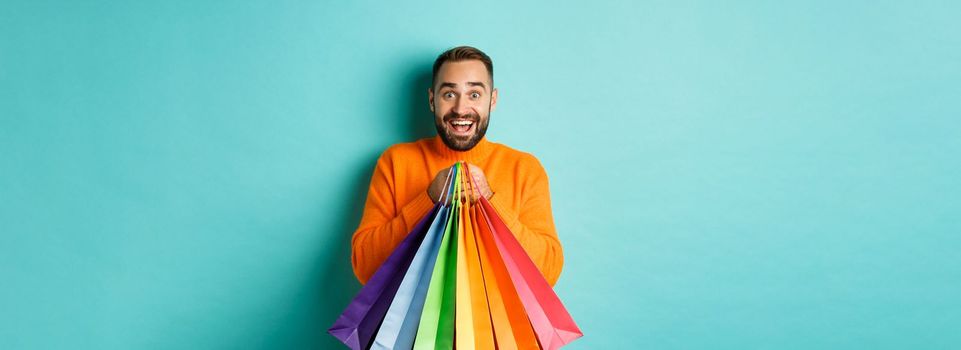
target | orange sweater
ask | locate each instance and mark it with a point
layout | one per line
(398, 199)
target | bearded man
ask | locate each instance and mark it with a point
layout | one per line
(409, 177)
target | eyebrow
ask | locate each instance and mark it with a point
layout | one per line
(469, 83)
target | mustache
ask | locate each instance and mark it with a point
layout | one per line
(456, 116)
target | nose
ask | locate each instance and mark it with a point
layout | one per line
(461, 106)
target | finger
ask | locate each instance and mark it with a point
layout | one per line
(479, 177)
(443, 174)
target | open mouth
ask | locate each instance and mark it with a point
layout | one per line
(461, 127)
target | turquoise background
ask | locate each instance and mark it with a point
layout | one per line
(736, 175)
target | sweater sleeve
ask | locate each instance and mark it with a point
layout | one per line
(533, 223)
(383, 226)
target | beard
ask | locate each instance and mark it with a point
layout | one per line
(459, 143)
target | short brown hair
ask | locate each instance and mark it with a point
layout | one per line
(462, 53)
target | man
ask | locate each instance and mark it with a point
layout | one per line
(409, 177)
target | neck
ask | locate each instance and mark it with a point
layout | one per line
(476, 154)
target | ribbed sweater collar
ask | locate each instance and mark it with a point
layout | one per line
(476, 154)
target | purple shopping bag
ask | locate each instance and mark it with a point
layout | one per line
(358, 324)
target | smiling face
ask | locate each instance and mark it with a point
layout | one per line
(462, 99)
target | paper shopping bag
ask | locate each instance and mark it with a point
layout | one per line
(551, 321)
(473, 328)
(399, 327)
(436, 328)
(359, 322)
(512, 328)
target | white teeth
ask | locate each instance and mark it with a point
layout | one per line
(462, 122)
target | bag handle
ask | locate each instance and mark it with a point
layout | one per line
(470, 182)
(448, 188)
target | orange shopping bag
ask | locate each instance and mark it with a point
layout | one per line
(552, 323)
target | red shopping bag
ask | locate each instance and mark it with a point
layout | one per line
(552, 323)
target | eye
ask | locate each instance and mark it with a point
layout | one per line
(475, 95)
(448, 94)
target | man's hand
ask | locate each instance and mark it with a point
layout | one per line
(479, 187)
(436, 188)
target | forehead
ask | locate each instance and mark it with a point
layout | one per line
(462, 72)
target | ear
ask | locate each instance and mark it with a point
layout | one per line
(493, 99)
(430, 98)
